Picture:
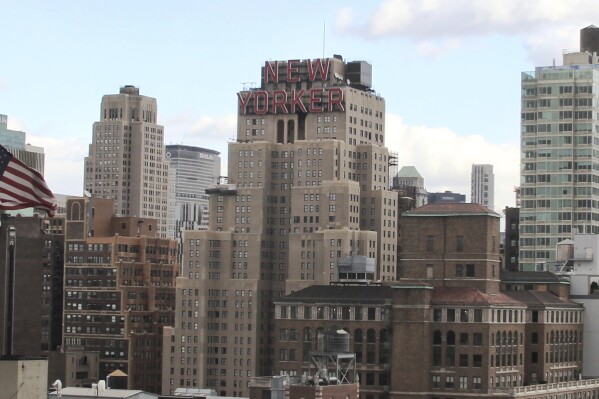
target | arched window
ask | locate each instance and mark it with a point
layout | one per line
(75, 211)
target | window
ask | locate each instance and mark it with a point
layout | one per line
(477, 360)
(459, 270)
(436, 381)
(478, 315)
(534, 357)
(476, 383)
(450, 314)
(459, 243)
(470, 271)
(477, 339)
(464, 315)
(463, 382)
(534, 338)
(437, 315)
(449, 382)
(430, 243)
(463, 338)
(463, 360)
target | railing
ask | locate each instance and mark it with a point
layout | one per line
(591, 383)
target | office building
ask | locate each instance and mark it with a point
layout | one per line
(307, 187)
(119, 291)
(558, 193)
(445, 197)
(512, 239)
(192, 171)
(31, 294)
(409, 183)
(126, 160)
(482, 183)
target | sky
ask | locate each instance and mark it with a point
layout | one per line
(449, 71)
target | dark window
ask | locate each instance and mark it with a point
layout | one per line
(534, 357)
(371, 313)
(463, 360)
(478, 315)
(470, 271)
(430, 243)
(464, 315)
(459, 270)
(534, 338)
(437, 315)
(477, 361)
(463, 338)
(477, 339)
(450, 314)
(535, 316)
(459, 243)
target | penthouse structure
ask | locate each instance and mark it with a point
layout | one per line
(307, 187)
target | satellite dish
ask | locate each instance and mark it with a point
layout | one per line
(87, 194)
(58, 386)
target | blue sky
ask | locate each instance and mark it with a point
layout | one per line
(449, 70)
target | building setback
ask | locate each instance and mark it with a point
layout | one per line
(119, 290)
(307, 186)
(126, 157)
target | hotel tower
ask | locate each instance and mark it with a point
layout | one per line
(307, 190)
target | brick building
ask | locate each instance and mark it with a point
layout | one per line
(445, 329)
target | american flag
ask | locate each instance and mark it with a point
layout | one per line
(23, 187)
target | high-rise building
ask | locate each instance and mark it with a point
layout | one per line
(559, 189)
(126, 157)
(15, 142)
(482, 183)
(307, 187)
(119, 291)
(409, 182)
(192, 171)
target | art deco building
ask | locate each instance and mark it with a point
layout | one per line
(559, 152)
(307, 186)
(482, 185)
(126, 157)
(119, 290)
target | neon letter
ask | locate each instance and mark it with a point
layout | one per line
(261, 106)
(291, 67)
(296, 99)
(243, 102)
(316, 66)
(315, 98)
(279, 100)
(271, 73)
(338, 99)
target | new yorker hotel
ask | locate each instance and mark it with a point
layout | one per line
(307, 187)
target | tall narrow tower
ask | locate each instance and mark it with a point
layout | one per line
(559, 155)
(307, 187)
(482, 183)
(126, 157)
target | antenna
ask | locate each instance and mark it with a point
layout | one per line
(324, 25)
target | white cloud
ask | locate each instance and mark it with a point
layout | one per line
(444, 159)
(539, 22)
(64, 163)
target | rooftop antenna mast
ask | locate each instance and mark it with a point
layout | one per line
(324, 25)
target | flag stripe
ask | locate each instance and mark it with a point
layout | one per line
(22, 187)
